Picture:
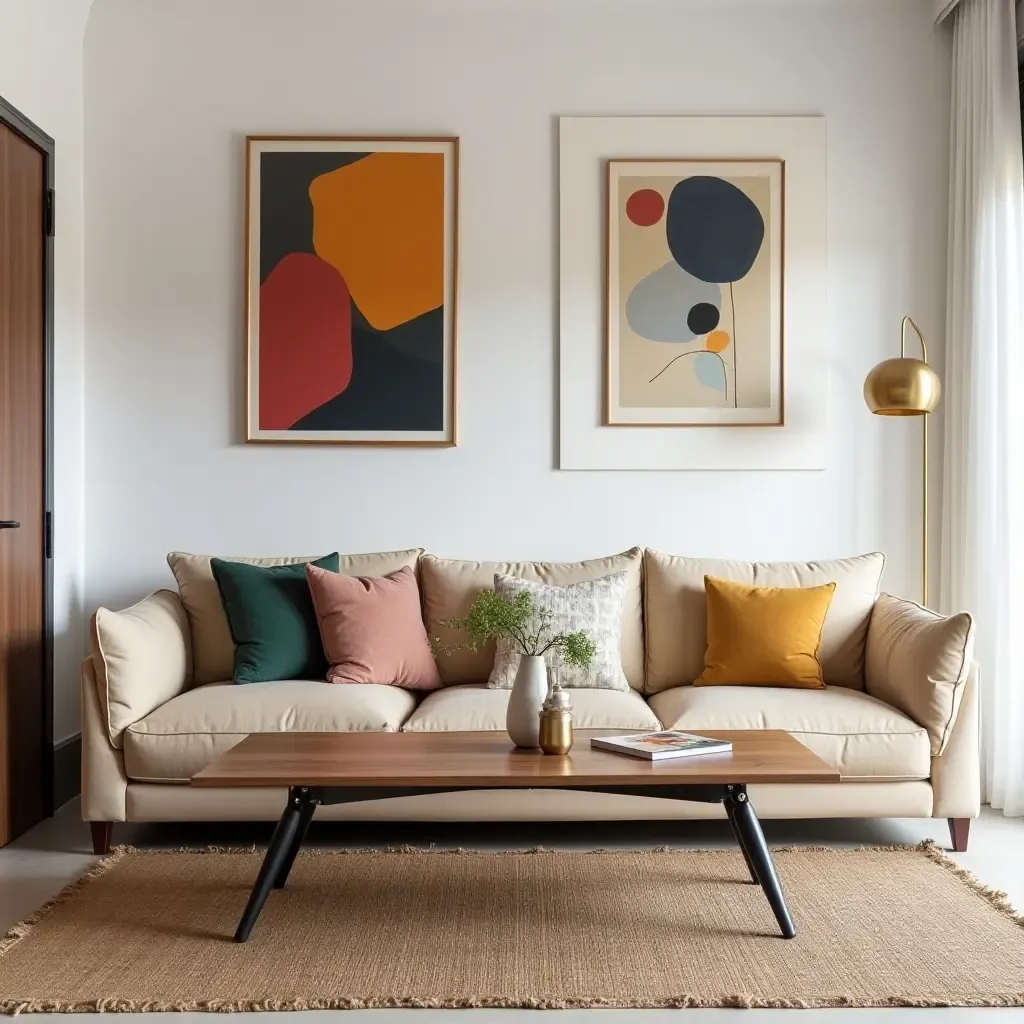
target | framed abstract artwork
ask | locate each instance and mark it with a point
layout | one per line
(694, 262)
(351, 290)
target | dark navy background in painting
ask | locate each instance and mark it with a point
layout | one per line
(286, 213)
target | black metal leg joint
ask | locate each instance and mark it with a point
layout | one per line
(306, 800)
(731, 815)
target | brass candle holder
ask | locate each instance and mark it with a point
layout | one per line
(556, 722)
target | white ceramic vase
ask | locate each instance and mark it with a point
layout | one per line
(522, 719)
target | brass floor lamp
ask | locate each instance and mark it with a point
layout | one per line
(908, 387)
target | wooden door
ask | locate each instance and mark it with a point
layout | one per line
(23, 618)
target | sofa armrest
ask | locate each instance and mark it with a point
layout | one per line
(104, 782)
(956, 775)
(919, 661)
(142, 657)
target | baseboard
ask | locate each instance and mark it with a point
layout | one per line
(67, 770)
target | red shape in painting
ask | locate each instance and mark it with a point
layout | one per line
(645, 207)
(305, 353)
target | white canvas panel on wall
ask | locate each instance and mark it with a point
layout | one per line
(700, 237)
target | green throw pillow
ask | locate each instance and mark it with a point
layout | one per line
(272, 620)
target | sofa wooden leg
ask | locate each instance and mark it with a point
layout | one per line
(959, 830)
(101, 835)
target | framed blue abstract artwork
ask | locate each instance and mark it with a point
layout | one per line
(695, 264)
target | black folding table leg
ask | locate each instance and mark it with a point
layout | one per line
(730, 813)
(307, 809)
(280, 844)
(752, 839)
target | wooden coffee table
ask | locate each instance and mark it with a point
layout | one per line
(338, 768)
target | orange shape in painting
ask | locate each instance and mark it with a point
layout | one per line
(717, 341)
(380, 223)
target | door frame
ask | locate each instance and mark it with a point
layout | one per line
(35, 136)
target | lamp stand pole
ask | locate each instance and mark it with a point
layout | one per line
(924, 459)
(924, 509)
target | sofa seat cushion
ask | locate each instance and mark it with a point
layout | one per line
(184, 735)
(477, 708)
(855, 733)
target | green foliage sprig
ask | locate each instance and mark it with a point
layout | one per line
(529, 629)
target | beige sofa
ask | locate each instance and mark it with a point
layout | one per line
(898, 717)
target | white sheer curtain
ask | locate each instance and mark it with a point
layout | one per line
(983, 489)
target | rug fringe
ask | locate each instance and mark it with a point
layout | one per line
(406, 848)
(993, 897)
(18, 931)
(14, 1008)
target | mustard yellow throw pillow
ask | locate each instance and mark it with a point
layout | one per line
(764, 636)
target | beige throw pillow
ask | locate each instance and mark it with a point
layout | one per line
(213, 651)
(141, 657)
(918, 662)
(594, 606)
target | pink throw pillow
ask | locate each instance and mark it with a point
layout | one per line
(372, 629)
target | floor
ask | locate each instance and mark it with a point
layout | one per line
(40, 863)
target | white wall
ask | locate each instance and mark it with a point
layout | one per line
(41, 75)
(172, 88)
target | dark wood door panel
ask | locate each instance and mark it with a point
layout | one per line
(22, 482)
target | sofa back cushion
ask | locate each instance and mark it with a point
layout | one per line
(213, 651)
(449, 586)
(676, 619)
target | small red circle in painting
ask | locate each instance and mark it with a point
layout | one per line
(645, 207)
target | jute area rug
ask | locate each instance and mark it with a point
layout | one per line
(893, 926)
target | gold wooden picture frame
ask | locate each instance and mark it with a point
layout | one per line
(351, 270)
(694, 285)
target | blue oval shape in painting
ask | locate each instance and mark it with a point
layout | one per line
(659, 306)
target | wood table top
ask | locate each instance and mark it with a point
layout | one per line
(487, 760)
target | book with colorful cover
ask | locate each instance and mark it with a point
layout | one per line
(658, 746)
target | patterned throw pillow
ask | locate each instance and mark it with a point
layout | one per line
(594, 606)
